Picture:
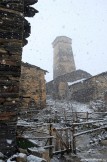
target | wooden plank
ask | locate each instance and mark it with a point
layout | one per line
(47, 147)
(50, 140)
(62, 151)
(89, 131)
(90, 122)
(63, 129)
(58, 135)
(47, 137)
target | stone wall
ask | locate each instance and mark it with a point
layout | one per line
(90, 89)
(32, 87)
(14, 29)
(54, 87)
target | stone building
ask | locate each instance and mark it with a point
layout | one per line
(63, 60)
(93, 88)
(58, 88)
(69, 83)
(14, 29)
(64, 69)
(32, 87)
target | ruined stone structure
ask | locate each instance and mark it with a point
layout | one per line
(32, 87)
(93, 88)
(63, 61)
(14, 29)
(58, 87)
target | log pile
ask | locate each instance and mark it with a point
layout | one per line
(14, 29)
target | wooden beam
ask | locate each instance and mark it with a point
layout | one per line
(62, 151)
(90, 122)
(89, 131)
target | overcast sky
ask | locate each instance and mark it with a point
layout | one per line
(84, 21)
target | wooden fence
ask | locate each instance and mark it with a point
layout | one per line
(61, 140)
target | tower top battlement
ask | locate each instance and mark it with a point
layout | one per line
(63, 39)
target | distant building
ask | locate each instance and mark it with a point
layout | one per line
(69, 83)
(32, 87)
(64, 69)
(93, 88)
(58, 88)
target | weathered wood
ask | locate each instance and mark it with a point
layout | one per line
(48, 147)
(63, 129)
(62, 151)
(73, 141)
(50, 141)
(58, 135)
(83, 123)
(47, 137)
(89, 131)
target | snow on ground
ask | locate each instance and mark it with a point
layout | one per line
(20, 157)
(73, 105)
(88, 145)
(32, 158)
(80, 107)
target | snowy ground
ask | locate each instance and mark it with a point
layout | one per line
(89, 146)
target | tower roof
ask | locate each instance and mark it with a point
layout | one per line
(64, 39)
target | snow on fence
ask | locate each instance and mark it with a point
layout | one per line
(63, 139)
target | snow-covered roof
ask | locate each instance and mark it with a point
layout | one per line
(77, 81)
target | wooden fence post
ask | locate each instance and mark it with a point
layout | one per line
(76, 117)
(73, 140)
(50, 141)
(66, 131)
(87, 116)
(61, 145)
(70, 140)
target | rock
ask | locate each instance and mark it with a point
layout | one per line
(71, 159)
(1, 156)
(36, 151)
(32, 158)
(103, 142)
(21, 157)
(24, 151)
(40, 152)
(13, 158)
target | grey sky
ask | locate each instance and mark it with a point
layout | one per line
(84, 21)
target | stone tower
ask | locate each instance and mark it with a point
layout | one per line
(63, 61)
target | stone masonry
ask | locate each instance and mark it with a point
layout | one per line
(63, 56)
(32, 87)
(14, 29)
(93, 88)
(58, 87)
